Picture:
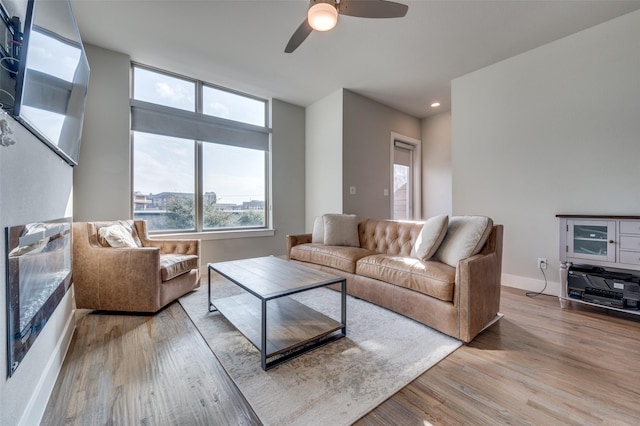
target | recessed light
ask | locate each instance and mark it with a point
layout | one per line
(435, 104)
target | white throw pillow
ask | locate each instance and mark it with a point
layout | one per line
(341, 230)
(117, 236)
(317, 235)
(432, 234)
(465, 237)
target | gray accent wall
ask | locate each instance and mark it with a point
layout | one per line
(366, 147)
(35, 185)
(553, 130)
(102, 181)
(348, 143)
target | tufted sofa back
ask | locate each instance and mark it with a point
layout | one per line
(389, 236)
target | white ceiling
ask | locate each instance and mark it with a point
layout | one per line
(405, 63)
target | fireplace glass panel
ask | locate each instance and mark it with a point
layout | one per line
(38, 276)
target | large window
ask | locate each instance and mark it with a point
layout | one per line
(200, 155)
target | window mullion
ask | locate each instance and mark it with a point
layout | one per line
(198, 188)
(199, 171)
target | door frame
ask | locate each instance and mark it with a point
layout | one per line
(417, 172)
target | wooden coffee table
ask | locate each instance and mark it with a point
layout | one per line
(277, 325)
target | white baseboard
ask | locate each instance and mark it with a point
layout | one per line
(41, 394)
(531, 284)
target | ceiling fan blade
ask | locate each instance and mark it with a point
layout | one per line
(299, 36)
(372, 8)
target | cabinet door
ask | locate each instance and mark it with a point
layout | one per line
(591, 240)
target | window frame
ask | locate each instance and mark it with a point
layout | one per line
(198, 184)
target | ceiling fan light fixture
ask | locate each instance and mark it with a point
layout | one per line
(322, 16)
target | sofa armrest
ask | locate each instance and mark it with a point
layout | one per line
(479, 284)
(294, 240)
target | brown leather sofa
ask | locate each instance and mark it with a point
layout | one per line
(458, 301)
(139, 279)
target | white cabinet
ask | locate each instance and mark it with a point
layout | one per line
(629, 248)
(608, 242)
(590, 240)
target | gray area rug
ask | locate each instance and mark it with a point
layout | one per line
(335, 384)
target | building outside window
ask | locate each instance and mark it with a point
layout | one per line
(200, 155)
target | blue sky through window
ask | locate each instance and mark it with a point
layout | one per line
(166, 164)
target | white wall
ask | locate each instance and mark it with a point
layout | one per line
(35, 185)
(366, 141)
(323, 159)
(553, 130)
(103, 182)
(436, 165)
(104, 167)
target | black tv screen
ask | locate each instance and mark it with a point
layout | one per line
(52, 78)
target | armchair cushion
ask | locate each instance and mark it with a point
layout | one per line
(172, 265)
(116, 235)
(122, 233)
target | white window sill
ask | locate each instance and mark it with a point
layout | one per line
(217, 235)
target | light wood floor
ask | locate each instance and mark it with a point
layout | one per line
(538, 365)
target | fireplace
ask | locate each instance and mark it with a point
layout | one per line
(38, 276)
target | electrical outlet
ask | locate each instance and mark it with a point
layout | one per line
(542, 263)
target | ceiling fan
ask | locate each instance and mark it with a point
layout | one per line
(323, 15)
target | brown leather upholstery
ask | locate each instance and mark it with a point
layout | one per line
(431, 278)
(339, 257)
(131, 279)
(459, 302)
(388, 236)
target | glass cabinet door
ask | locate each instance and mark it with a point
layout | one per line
(591, 240)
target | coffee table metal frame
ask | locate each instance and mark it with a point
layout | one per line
(321, 340)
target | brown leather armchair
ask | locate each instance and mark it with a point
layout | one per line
(140, 279)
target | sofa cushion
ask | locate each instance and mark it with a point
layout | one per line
(341, 230)
(172, 265)
(339, 257)
(392, 269)
(432, 234)
(465, 237)
(434, 279)
(317, 235)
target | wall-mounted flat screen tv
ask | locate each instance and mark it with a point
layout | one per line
(52, 78)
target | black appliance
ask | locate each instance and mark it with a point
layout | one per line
(609, 288)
